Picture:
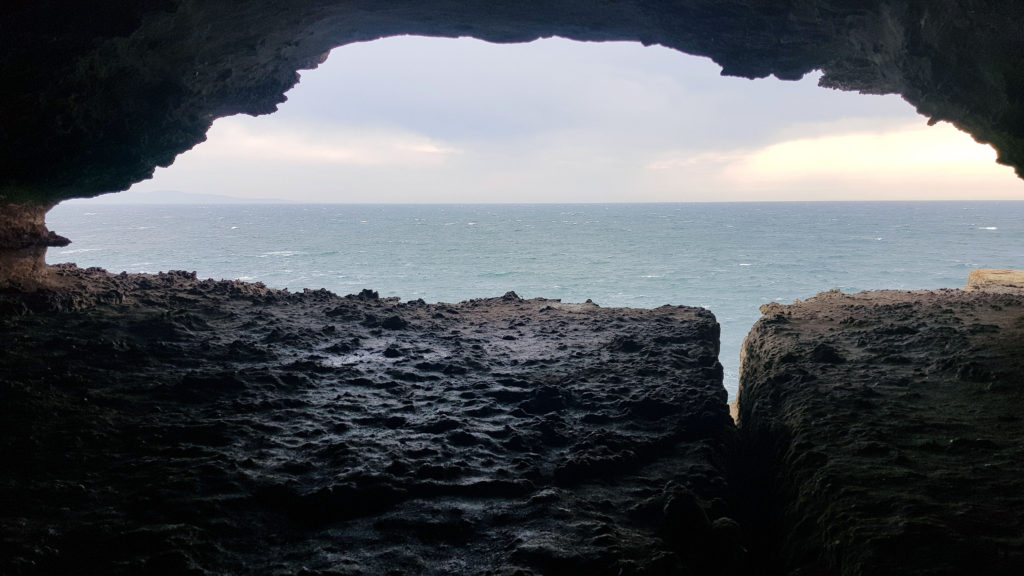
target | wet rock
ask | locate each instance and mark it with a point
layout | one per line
(543, 400)
(367, 294)
(394, 323)
(827, 354)
(247, 439)
(874, 439)
(625, 344)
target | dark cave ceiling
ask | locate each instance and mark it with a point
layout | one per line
(96, 97)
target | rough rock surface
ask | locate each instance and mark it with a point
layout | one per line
(164, 424)
(23, 243)
(885, 432)
(97, 95)
(987, 279)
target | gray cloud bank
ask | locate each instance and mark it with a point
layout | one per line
(432, 120)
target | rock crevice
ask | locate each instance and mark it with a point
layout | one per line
(162, 420)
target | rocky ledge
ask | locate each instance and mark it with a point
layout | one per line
(165, 424)
(883, 432)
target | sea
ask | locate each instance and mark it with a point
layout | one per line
(728, 257)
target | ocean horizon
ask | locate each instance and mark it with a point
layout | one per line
(730, 258)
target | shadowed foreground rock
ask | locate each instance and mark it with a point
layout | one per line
(162, 424)
(883, 432)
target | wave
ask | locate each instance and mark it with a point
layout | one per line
(79, 250)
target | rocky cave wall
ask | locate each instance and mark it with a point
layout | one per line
(882, 433)
(96, 96)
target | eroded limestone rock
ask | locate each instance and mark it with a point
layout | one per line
(882, 433)
(167, 424)
(96, 97)
(23, 243)
(987, 279)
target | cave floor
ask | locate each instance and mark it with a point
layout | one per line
(164, 424)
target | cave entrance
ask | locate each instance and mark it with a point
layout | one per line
(426, 120)
(552, 127)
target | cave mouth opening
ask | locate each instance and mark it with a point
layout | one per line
(602, 154)
(789, 250)
(415, 119)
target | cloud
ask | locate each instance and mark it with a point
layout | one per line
(907, 161)
(910, 150)
(696, 160)
(469, 91)
(439, 120)
(241, 138)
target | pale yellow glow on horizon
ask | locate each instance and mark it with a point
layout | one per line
(907, 150)
(908, 162)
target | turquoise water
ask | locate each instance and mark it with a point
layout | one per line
(728, 257)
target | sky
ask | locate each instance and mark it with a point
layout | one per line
(427, 120)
